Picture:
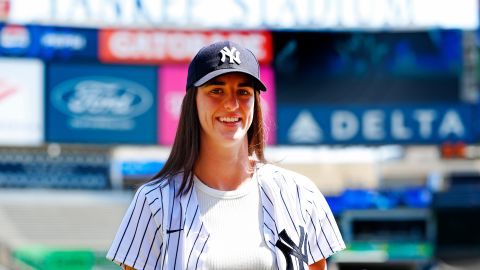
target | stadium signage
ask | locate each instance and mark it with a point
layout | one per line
(252, 14)
(100, 102)
(375, 125)
(66, 43)
(21, 102)
(15, 40)
(7, 89)
(95, 103)
(4, 9)
(63, 41)
(160, 47)
(48, 42)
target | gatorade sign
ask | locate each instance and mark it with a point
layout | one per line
(375, 124)
(162, 47)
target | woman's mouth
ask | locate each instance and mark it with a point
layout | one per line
(230, 121)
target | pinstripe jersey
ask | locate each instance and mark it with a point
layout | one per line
(164, 231)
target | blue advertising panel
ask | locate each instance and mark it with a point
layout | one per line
(48, 42)
(94, 103)
(18, 40)
(66, 43)
(387, 124)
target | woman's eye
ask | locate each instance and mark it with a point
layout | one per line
(216, 91)
(244, 92)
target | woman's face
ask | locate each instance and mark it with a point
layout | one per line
(225, 107)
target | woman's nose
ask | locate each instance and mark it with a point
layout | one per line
(231, 102)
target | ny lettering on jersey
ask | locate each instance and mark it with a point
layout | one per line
(293, 251)
(232, 53)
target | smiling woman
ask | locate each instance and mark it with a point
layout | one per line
(217, 203)
(225, 107)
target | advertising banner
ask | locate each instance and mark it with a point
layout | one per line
(66, 43)
(172, 80)
(21, 102)
(329, 15)
(93, 103)
(173, 47)
(388, 124)
(48, 42)
(18, 40)
(368, 68)
(4, 9)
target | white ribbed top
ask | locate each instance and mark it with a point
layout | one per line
(234, 222)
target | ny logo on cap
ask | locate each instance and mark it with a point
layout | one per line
(232, 53)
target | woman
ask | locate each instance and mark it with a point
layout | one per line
(216, 204)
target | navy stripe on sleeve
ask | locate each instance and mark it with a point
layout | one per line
(153, 201)
(178, 237)
(269, 228)
(290, 215)
(151, 247)
(326, 238)
(300, 205)
(159, 255)
(201, 251)
(194, 243)
(316, 239)
(128, 223)
(169, 225)
(136, 229)
(273, 220)
(329, 222)
(141, 242)
(310, 251)
(266, 195)
(156, 212)
(191, 223)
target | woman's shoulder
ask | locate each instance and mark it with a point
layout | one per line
(158, 187)
(282, 176)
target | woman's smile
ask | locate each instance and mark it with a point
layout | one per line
(230, 121)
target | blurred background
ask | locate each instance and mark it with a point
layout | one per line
(375, 100)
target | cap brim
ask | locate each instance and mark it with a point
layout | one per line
(219, 72)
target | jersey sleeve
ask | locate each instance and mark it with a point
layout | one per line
(138, 242)
(324, 238)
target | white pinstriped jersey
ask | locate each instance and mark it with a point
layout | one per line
(164, 231)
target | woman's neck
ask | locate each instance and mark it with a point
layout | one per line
(224, 168)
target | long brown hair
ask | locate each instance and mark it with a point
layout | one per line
(186, 146)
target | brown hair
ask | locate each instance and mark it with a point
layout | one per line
(186, 146)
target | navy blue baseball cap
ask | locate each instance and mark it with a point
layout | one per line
(220, 58)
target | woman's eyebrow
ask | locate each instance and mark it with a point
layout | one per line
(246, 84)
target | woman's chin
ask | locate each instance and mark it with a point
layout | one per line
(233, 137)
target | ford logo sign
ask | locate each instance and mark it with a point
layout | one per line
(101, 98)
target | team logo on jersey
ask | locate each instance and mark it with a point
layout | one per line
(293, 251)
(232, 53)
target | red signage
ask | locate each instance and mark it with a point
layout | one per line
(6, 89)
(4, 9)
(170, 47)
